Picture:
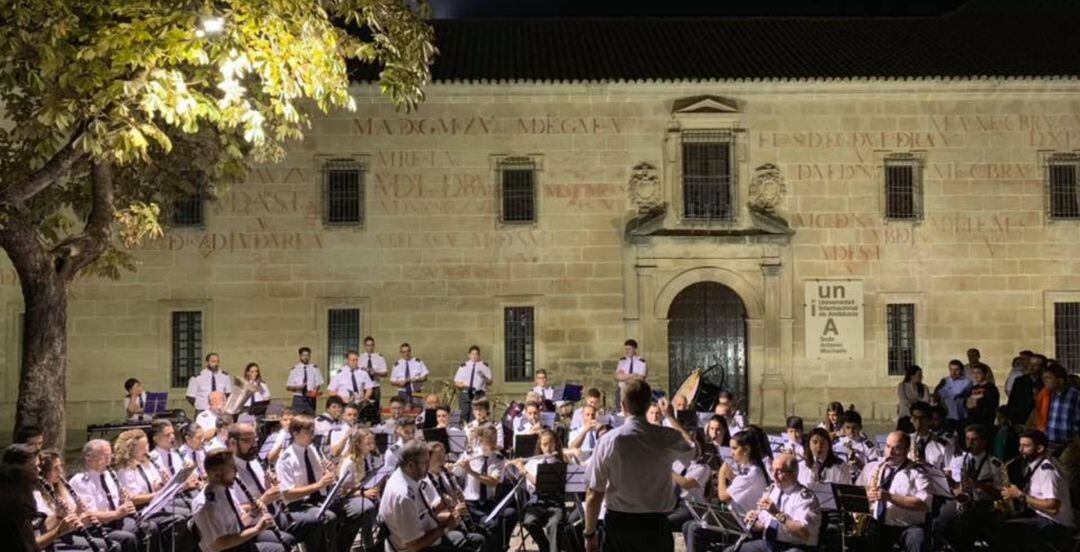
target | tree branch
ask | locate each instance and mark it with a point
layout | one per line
(19, 240)
(78, 251)
(55, 168)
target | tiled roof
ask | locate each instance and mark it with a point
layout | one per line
(985, 38)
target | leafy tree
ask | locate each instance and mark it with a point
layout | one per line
(112, 106)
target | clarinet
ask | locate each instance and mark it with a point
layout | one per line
(95, 527)
(459, 498)
(60, 506)
(125, 496)
(279, 501)
(256, 505)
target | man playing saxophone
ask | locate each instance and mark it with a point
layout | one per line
(788, 515)
(1044, 489)
(900, 499)
(976, 480)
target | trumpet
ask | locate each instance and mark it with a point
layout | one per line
(61, 510)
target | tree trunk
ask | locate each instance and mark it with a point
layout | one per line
(43, 375)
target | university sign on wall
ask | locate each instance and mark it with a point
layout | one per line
(834, 319)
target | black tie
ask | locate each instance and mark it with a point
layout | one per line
(369, 368)
(168, 463)
(213, 382)
(145, 479)
(483, 487)
(408, 384)
(886, 482)
(255, 478)
(305, 377)
(108, 495)
(141, 403)
(631, 365)
(355, 388)
(308, 467)
(472, 378)
(239, 522)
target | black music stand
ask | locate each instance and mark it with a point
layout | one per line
(687, 418)
(258, 409)
(331, 497)
(438, 435)
(849, 499)
(156, 403)
(429, 419)
(525, 444)
(551, 482)
(570, 392)
(382, 442)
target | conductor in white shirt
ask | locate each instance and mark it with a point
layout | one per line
(631, 469)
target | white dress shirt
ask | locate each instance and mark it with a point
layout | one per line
(139, 479)
(200, 386)
(631, 365)
(253, 477)
(307, 375)
(216, 513)
(798, 504)
(696, 471)
(937, 452)
(403, 512)
(292, 468)
(349, 382)
(375, 365)
(474, 443)
(632, 466)
(168, 460)
(262, 394)
(588, 443)
(416, 369)
(746, 489)
(545, 393)
(474, 374)
(1047, 481)
(494, 468)
(836, 473)
(142, 405)
(207, 420)
(97, 490)
(910, 480)
(983, 468)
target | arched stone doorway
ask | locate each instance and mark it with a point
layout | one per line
(707, 328)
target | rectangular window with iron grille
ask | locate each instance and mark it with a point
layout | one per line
(1063, 185)
(1067, 335)
(708, 175)
(903, 187)
(343, 191)
(519, 343)
(517, 190)
(187, 209)
(187, 346)
(900, 327)
(343, 331)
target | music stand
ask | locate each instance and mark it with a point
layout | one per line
(457, 442)
(687, 418)
(259, 408)
(525, 444)
(274, 410)
(713, 517)
(551, 482)
(331, 497)
(376, 477)
(429, 419)
(939, 485)
(437, 435)
(824, 494)
(502, 503)
(570, 392)
(382, 441)
(851, 498)
(156, 403)
(547, 419)
(166, 494)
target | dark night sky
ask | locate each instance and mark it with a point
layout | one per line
(453, 9)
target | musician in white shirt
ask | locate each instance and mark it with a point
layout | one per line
(282, 439)
(928, 448)
(192, 449)
(100, 493)
(209, 380)
(217, 515)
(900, 498)
(135, 400)
(630, 367)
(976, 480)
(594, 398)
(584, 439)
(739, 485)
(352, 383)
(788, 516)
(1041, 487)
(305, 380)
(691, 479)
(409, 374)
(482, 412)
(541, 515)
(472, 380)
(529, 422)
(821, 466)
(540, 386)
(375, 365)
(253, 376)
(483, 472)
(207, 419)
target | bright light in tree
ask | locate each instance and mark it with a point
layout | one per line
(211, 25)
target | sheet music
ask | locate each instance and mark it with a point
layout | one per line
(575, 478)
(167, 492)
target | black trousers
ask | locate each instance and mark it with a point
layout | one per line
(962, 528)
(541, 520)
(625, 532)
(499, 529)
(912, 538)
(1036, 533)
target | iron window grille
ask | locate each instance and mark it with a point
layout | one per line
(187, 209)
(187, 344)
(900, 327)
(343, 331)
(517, 190)
(1067, 335)
(1063, 185)
(709, 181)
(903, 187)
(519, 343)
(343, 193)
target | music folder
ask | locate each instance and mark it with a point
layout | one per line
(851, 498)
(166, 493)
(156, 403)
(437, 435)
(430, 420)
(687, 418)
(525, 444)
(575, 478)
(382, 441)
(551, 481)
(570, 392)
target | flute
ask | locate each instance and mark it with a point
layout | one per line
(60, 509)
(257, 506)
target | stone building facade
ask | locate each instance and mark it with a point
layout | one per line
(971, 249)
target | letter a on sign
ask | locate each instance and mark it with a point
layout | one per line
(830, 326)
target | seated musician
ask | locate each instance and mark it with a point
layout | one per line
(654, 415)
(861, 450)
(1041, 487)
(716, 432)
(529, 422)
(739, 486)
(192, 449)
(939, 425)
(222, 526)
(593, 398)
(541, 518)
(65, 525)
(483, 472)
(928, 448)
(207, 419)
(584, 438)
(794, 442)
(166, 459)
(352, 383)
(976, 481)
(821, 465)
(218, 438)
(403, 433)
(329, 420)
(899, 494)
(690, 479)
(411, 526)
(431, 402)
(243, 443)
(725, 406)
(472, 380)
(437, 495)
(101, 495)
(281, 439)
(544, 392)
(135, 401)
(141, 480)
(481, 419)
(397, 416)
(788, 516)
(302, 476)
(338, 437)
(834, 420)
(361, 504)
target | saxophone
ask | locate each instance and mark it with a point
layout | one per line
(861, 526)
(1006, 508)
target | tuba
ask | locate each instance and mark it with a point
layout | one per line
(243, 390)
(448, 395)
